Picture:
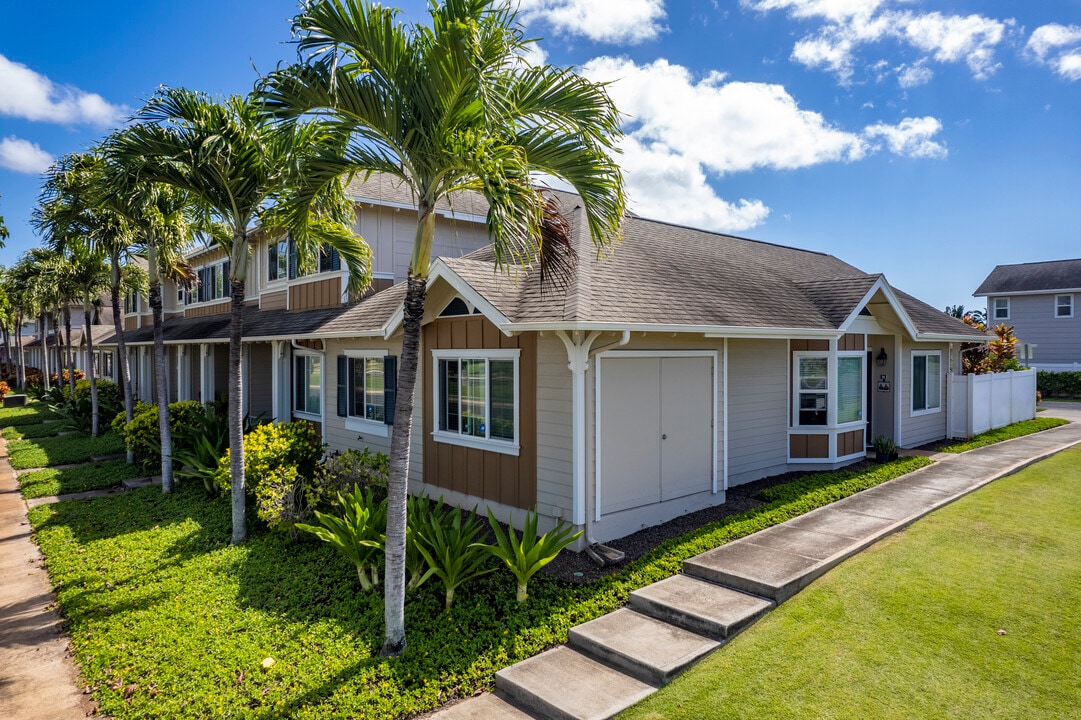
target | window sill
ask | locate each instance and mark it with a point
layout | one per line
(369, 427)
(313, 417)
(497, 446)
(930, 411)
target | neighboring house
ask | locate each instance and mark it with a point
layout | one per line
(682, 363)
(1040, 301)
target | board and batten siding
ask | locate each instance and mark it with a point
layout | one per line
(920, 429)
(1057, 340)
(555, 471)
(259, 388)
(758, 382)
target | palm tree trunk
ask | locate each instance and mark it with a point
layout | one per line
(8, 364)
(70, 358)
(121, 346)
(160, 375)
(398, 482)
(21, 367)
(45, 383)
(94, 424)
(236, 411)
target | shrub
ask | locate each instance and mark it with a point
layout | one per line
(143, 437)
(279, 461)
(342, 470)
(4, 389)
(526, 556)
(359, 533)
(109, 395)
(1059, 384)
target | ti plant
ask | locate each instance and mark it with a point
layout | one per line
(526, 556)
(359, 533)
(446, 543)
(418, 510)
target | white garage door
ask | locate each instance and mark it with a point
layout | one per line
(656, 434)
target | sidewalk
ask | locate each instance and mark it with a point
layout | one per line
(37, 677)
(616, 660)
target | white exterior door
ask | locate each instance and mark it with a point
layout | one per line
(656, 439)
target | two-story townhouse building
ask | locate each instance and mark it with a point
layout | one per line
(1040, 301)
(664, 371)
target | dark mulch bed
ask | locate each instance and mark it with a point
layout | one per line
(578, 568)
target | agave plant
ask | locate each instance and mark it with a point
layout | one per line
(359, 533)
(446, 542)
(526, 556)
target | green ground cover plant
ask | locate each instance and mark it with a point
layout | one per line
(96, 476)
(39, 430)
(157, 598)
(45, 452)
(1019, 429)
(973, 612)
(31, 414)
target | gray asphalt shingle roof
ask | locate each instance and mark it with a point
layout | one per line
(1032, 277)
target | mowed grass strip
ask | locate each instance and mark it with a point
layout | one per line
(46, 452)
(1016, 430)
(973, 612)
(39, 430)
(97, 476)
(156, 597)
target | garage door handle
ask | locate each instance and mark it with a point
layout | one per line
(664, 437)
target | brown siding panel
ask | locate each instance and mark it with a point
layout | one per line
(809, 446)
(810, 345)
(492, 476)
(274, 300)
(851, 341)
(217, 308)
(850, 443)
(317, 294)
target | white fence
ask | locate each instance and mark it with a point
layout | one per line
(978, 403)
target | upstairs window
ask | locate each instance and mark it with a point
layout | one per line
(283, 263)
(131, 303)
(1001, 308)
(926, 381)
(1064, 306)
(213, 282)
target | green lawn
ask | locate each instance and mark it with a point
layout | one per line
(46, 452)
(96, 476)
(39, 430)
(911, 627)
(1016, 430)
(156, 597)
(31, 414)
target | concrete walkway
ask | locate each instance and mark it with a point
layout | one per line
(616, 660)
(37, 677)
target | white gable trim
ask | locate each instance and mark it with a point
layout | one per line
(894, 301)
(441, 271)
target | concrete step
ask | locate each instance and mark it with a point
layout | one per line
(647, 648)
(762, 571)
(482, 707)
(564, 684)
(699, 606)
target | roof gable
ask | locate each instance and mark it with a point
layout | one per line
(1032, 277)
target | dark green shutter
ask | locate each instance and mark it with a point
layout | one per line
(390, 388)
(272, 260)
(227, 282)
(335, 260)
(292, 259)
(343, 386)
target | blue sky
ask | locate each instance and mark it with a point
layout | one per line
(926, 139)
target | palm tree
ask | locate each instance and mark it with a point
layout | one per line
(446, 108)
(238, 163)
(4, 234)
(89, 274)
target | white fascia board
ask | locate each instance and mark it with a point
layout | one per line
(895, 303)
(451, 214)
(440, 270)
(947, 337)
(711, 331)
(1012, 293)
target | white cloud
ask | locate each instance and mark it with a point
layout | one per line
(23, 156)
(681, 130)
(609, 21)
(911, 137)
(851, 24)
(32, 96)
(1058, 46)
(909, 76)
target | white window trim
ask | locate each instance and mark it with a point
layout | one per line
(195, 302)
(356, 423)
(505, 447)
(912, 379)
(994, 308)
(304, 414)
(1056, 306)
(862, 420)
(796, 392)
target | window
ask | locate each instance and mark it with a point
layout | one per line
(283, 264)
(308, 384)
(367, 390)
(131, 303)
(1001, 308)
(926, 382)
(214, 282)
(1064, 306)
(812, 387)
(849, 389)
(477, 397)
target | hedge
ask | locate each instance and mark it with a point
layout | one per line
(1059, 384)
